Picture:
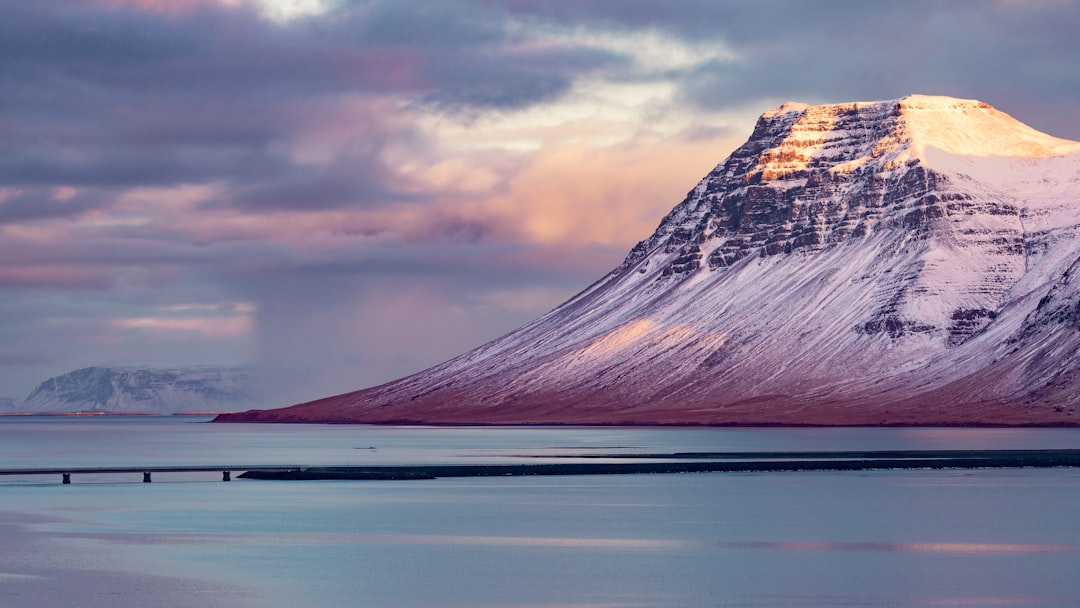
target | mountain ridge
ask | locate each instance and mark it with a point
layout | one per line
(899, 262)
(135, 389)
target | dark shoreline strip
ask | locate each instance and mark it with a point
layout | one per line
(1033, 459)
(846, 455)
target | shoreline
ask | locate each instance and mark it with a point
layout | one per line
(230, 418)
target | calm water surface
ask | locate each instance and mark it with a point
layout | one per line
(806, 539)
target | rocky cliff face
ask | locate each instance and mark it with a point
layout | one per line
(911, 261)
(163, 391)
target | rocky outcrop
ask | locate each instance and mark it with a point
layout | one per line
(900, 262)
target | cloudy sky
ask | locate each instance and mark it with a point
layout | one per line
(341, 193)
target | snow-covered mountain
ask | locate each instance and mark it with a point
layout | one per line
(914, 261)
(146, 390)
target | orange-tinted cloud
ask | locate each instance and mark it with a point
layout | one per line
(585, 194)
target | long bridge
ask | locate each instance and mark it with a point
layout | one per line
(613, 464)
(147, 471)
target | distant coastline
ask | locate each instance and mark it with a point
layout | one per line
(96, 413)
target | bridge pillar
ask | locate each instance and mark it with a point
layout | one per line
(225, 476)
(66, 477)
(146, 477)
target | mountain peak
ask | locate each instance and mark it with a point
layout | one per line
(910, 261)
(915, 127)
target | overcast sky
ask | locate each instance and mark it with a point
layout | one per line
(342, 193)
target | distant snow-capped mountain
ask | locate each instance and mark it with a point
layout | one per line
(914, 261)
(133, 389)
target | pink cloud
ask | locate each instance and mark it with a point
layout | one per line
(211, 327)
(70, 276)
(170, 8)
(561, 197)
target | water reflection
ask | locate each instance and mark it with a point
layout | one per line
(960, 548)
(983, 601)
(937, 547)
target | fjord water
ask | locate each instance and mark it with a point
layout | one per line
(875, 538)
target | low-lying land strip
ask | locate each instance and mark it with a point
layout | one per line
(701, 462)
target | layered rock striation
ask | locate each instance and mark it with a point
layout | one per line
(914, 261)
